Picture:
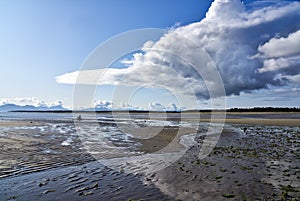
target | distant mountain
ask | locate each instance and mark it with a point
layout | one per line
(13, 107)
(57, 107)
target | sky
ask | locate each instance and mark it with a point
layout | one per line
(204, 54)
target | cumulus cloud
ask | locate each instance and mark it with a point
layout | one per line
(252, 47)
(155, 106)
(173, 107)
(103, 105)
(282, 55)
(295, 79)
(282, 47)
(127, 106)
(274, 65)
(22, 101)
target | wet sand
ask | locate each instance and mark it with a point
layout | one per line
(261, 164)
(257, 121)
(254, 118)
(18, 123)
(91, 181)
(36, 166)
(250, 162)
(25, 148)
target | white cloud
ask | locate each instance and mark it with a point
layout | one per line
(282, 56)
(225, 10)
(282, 47)
(172, 107)
(295, 79)
(22, 101)
(274, 65)
(155, 106)
(103, 105)
(231, 35)
(126, 106)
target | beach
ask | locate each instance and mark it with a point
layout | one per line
(255, 157)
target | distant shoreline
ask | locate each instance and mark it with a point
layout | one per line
(255, 110)
(247, 118)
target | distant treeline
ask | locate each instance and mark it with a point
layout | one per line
(265, 109)
(254, 109)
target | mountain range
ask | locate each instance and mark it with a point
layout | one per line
(14, 107)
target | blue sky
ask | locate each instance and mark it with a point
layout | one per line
(41, 40)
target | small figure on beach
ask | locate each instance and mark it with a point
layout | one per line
(245, 129)
(79, 118)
